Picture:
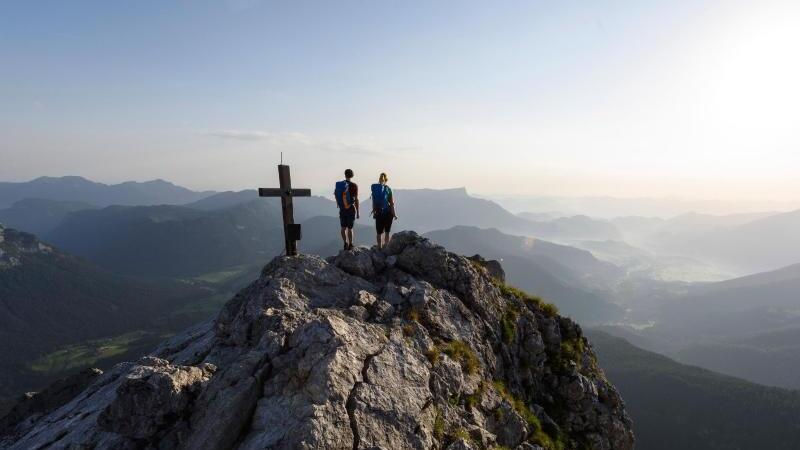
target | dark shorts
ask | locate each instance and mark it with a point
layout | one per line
(347, 217)
(383, 222)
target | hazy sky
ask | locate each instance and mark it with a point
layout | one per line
(624, 98)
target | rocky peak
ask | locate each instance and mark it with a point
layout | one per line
(410, 347)
(14, 245)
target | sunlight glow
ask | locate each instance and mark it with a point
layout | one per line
(753, 76)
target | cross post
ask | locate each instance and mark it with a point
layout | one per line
(291, 231)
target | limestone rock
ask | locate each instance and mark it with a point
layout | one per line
(152, 397)
(493, 267)
(411, 347)
(35, 404)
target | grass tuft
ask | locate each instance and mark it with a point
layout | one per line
(438, 425)
(433, 354)
(548, 309)
(509, 326)
(471, 401)
(538, 435)
(461, 352)
(571, 350)
(460, 433)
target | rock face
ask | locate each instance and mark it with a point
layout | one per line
(14, 243)
(32, 405)
(493, 268)
(408, 348)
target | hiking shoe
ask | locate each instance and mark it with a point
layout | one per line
(350, 247)
(346, 246)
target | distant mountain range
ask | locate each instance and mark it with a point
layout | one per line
(78, 189)
(50, 299)
(639, 227)
(232, 229)
(39, 216)
(771, 358)
(427, 209)
(170, 241)
(746, 327)
(609, 207)
(574, 227)
(674, 406)
(744, 243)
(738, 307)
(182, 241)
(561, 274)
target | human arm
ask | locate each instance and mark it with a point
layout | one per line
(354, 192)
(392, 206)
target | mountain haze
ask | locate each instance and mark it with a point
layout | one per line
(181, 241)
(677, 406)
(764, 244)
(78, 189)
(50, 299)
(39, 216)
(563, 274)
(739, 307)
(429, 209)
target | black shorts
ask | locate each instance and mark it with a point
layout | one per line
(347, 217)
(383, 222)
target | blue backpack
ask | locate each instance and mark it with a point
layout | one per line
(342, 194)
(380, 197)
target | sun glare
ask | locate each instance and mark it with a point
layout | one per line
(752, 75)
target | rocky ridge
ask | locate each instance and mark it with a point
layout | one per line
(412, 347)
(14, 245)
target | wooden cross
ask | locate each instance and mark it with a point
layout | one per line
(291, 231)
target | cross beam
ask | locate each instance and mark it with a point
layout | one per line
(291, 231)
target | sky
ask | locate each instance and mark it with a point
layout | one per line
(685, 99)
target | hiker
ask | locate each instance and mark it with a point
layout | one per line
(346, 194)
(383, 209)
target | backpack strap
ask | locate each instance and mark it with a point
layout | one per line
(345, 195)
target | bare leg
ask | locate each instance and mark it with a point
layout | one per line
(386, 238)
(379, 241)
(344, 235)
(350, 236)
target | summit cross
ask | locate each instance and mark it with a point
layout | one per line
(291, 231)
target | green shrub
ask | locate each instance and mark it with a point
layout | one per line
(548, 309)
(438, 425)
(571, 350)
(509, 325)
(461, 352)
(460, 433)
(433, 355)
(538, 435)
(477, 265)
(518, 405)
(472, 401)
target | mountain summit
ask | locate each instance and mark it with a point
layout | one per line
(412, 347)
